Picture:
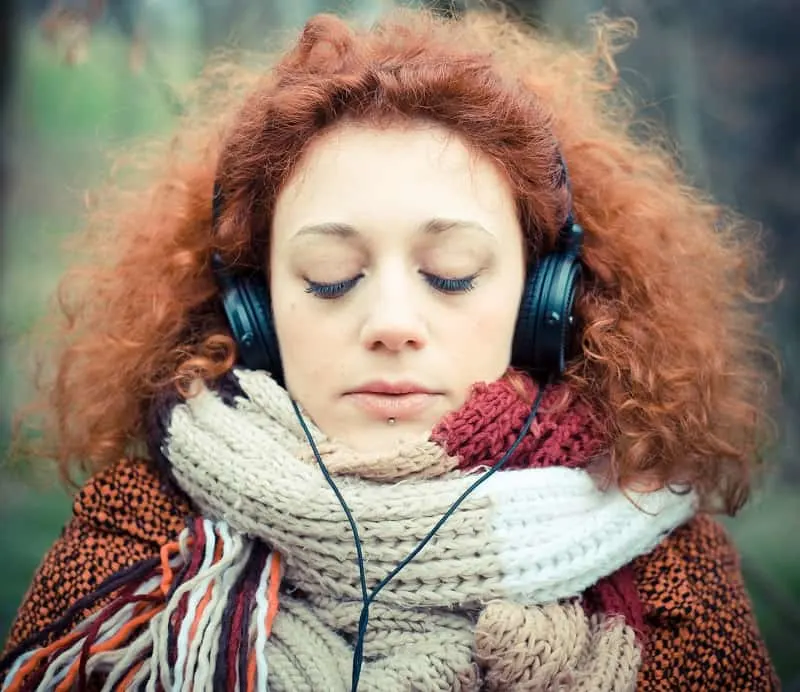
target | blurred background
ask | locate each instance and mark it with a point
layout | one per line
(80, 77)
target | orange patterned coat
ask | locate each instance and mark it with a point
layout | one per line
(701, 634)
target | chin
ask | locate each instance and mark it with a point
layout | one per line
(379, 438)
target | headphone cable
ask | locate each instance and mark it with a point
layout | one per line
(368, 598)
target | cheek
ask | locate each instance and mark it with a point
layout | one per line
(493, 330)
(484, 335)
(308, 345)
(498, 310)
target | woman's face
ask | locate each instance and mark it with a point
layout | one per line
(396, 272)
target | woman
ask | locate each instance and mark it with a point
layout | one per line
(468, 439)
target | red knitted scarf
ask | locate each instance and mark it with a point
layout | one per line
(565, 432)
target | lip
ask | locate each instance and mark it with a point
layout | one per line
(398, 400)
(392, 388)
(397, 406)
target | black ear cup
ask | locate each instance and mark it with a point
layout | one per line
(246, 301)
(545, 324)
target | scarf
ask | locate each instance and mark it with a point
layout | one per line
(523, 587)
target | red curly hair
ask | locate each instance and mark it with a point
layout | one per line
(670, 352)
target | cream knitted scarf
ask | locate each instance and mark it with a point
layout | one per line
(262, 590)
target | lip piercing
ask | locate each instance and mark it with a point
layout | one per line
(391, 421)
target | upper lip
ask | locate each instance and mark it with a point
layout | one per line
(384, 387)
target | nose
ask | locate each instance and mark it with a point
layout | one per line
(395, 319)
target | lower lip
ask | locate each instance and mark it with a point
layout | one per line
(398, 406)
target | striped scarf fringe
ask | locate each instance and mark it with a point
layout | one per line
(196, 618)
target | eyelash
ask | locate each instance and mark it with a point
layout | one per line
(443, 285)
(331, 291)
(339, 288)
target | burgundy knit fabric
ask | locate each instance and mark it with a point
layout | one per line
(482, 430)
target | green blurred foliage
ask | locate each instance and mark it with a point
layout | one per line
(66, 120)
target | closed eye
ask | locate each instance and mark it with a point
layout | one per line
(336, 289)
(329, 291)
(448, 285)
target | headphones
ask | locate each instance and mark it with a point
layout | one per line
(543, 336)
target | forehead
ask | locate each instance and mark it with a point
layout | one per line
(394, 176)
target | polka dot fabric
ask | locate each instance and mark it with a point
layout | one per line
(120, 517)
(700, 633)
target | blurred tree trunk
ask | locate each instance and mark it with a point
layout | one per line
(8, 55)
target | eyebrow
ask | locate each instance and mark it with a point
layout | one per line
(438, 226)
(329, 228)
(346, 231)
